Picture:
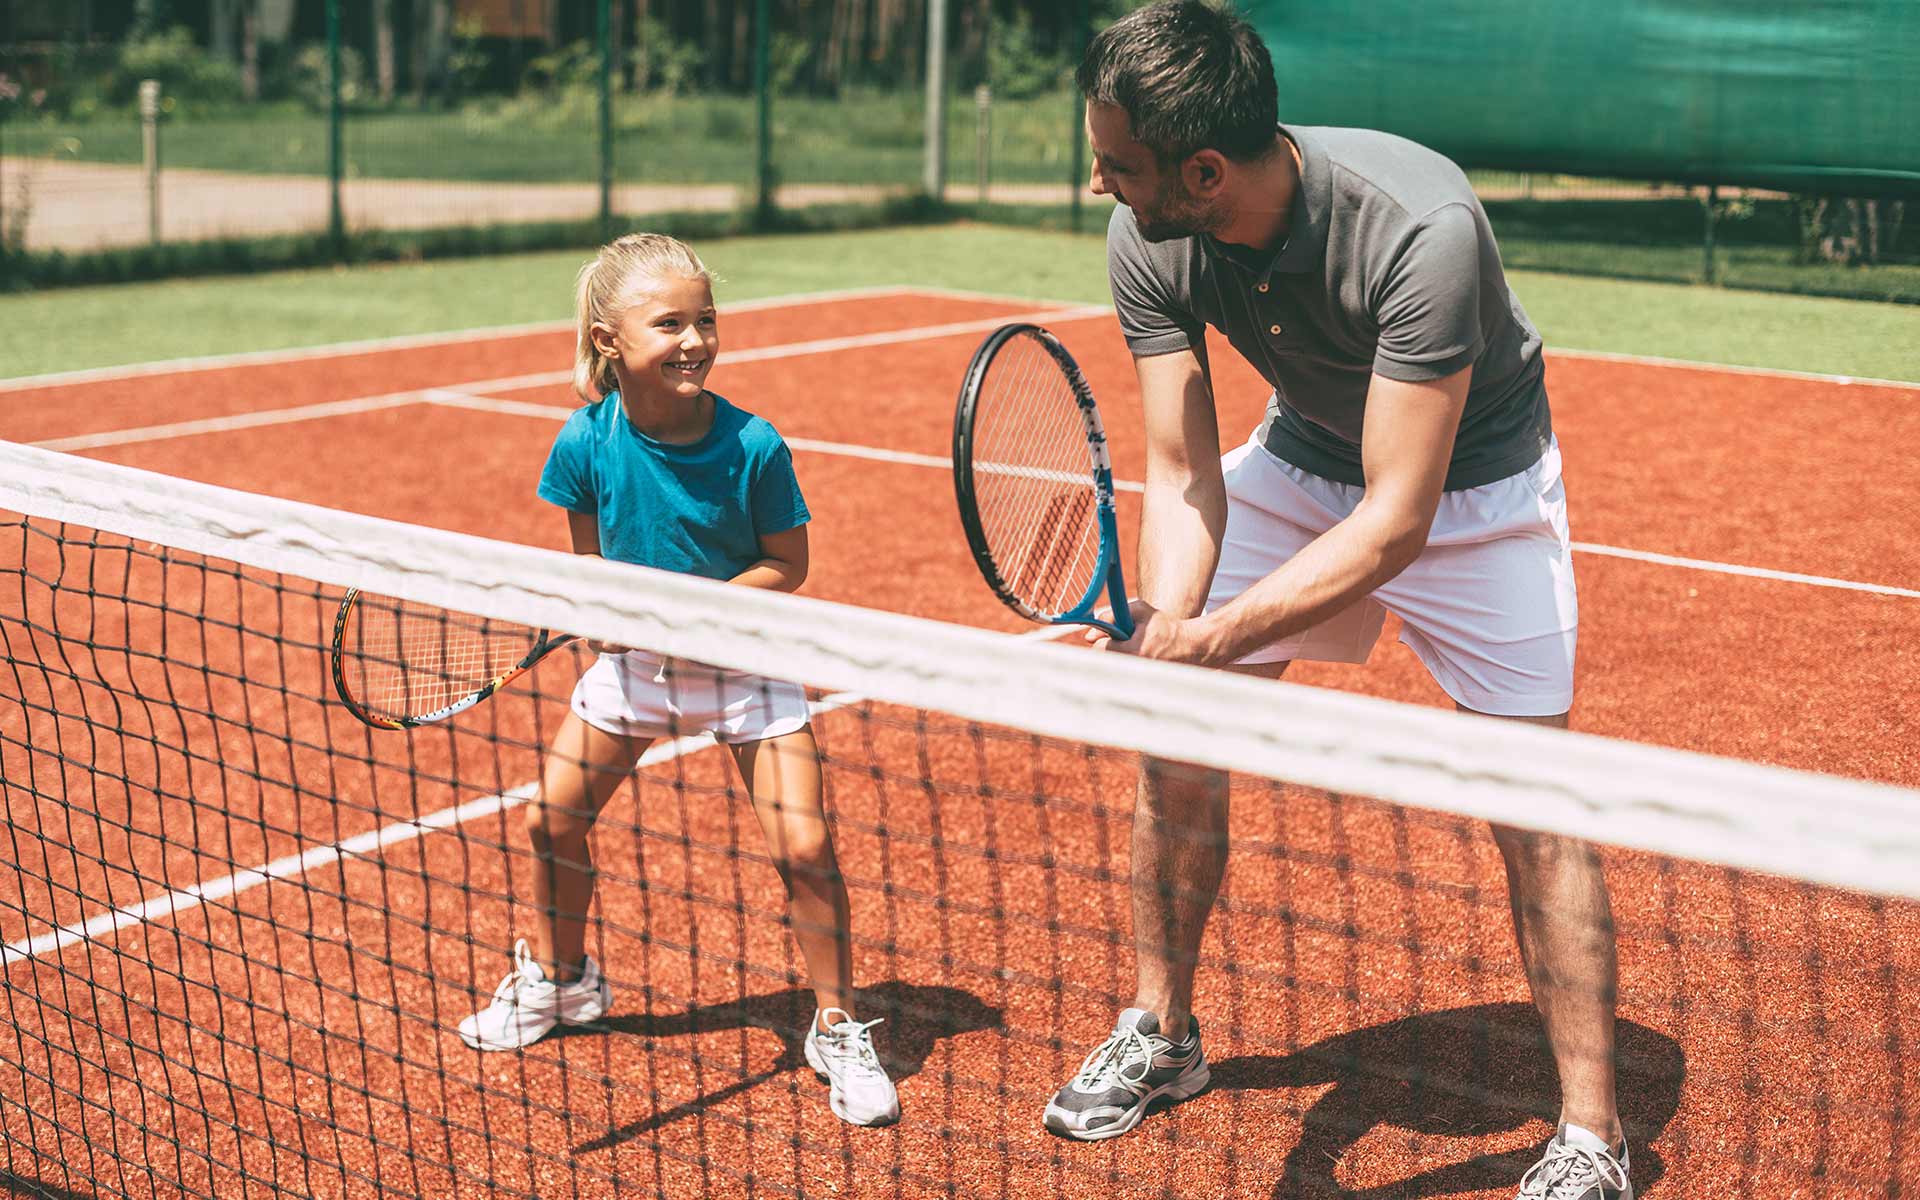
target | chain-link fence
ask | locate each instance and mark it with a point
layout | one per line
(309, 130)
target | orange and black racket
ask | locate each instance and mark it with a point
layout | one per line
(398, 664)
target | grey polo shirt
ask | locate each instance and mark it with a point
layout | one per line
(1389, 267)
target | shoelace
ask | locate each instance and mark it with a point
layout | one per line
(852, 1041)
(1567, 1173)
(1106, 1060)
(509, 990)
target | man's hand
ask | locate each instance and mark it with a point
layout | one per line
(1155, 635)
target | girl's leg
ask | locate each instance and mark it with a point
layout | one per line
(584, 767)
(782, 775)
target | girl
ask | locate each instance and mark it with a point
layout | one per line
(659, 471)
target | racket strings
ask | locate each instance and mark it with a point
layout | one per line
(1032, 473)
(405, 659)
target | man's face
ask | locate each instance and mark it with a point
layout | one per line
(1131, 174)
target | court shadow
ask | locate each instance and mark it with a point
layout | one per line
(1463, 1072)
(12, 1184)
(917, 1018)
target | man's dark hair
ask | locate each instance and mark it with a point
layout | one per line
(1190, 76)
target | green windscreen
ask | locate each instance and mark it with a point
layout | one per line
(1801, 95)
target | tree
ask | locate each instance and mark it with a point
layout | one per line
(432, 47)
(383, 49)
(249, 49)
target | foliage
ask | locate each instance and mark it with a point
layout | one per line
(576, 65)
(18, 100)
(789, 59)
(1018, 65)
(187, 74)
(307, 77)
(468, 63)
(662, 62)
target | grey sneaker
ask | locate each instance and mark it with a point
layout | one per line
(1129, 1071)
(1570, 1172)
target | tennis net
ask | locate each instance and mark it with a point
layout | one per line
(240, 927)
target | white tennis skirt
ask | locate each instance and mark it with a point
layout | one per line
(642, 695)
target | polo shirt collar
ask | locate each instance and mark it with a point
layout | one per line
(1306, 242)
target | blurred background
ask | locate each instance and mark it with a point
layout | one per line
(1754, 145)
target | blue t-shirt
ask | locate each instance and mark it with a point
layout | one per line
(698, 508)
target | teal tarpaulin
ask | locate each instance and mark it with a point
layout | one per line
(1801, 95)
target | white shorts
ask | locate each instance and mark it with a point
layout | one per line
(1489, 606)
(643, 695)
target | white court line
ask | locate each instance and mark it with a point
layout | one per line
(360, 846)
(1554, 351)
(856, 341)
(556, 412)
(511, 383)
(1683, 364)
(1701, 564)
(474, 396)
(406, 342)
(255, 420)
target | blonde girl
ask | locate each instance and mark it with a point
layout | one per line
(657, 470)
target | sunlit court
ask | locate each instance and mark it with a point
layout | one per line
(320, 711)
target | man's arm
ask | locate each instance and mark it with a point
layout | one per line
(1404, 451)
(1184, 511)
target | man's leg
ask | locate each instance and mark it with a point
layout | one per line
(1563, 921)
(1179, 858)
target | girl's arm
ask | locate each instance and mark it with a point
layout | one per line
(783, 561)
(585, 530)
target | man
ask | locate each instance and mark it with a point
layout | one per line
(1406, 462)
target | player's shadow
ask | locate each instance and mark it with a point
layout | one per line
(1463, 1072)
(916, 1018)
(25, 1185)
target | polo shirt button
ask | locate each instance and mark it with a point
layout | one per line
(1274, 329)
(1263, 287)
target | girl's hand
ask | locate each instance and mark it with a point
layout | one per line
(607, 647)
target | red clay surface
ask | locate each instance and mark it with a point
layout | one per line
(1365, 1008)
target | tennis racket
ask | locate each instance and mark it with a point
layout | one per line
(1035, 486)
(398, 664)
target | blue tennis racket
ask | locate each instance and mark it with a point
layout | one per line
(1035, 485)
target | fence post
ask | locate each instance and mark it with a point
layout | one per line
(336, 158)
(1076, 134)
(763, 102)
(933, 179)
(150, 152)
(1706, 248)
(982, 140)
(603, 29)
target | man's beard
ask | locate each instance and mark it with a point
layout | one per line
(1177, 216)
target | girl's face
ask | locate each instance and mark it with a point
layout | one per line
(664, 344)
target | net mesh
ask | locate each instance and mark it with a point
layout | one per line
(240, 926)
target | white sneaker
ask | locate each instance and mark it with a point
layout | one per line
(843, 1055)
(526, 1007)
